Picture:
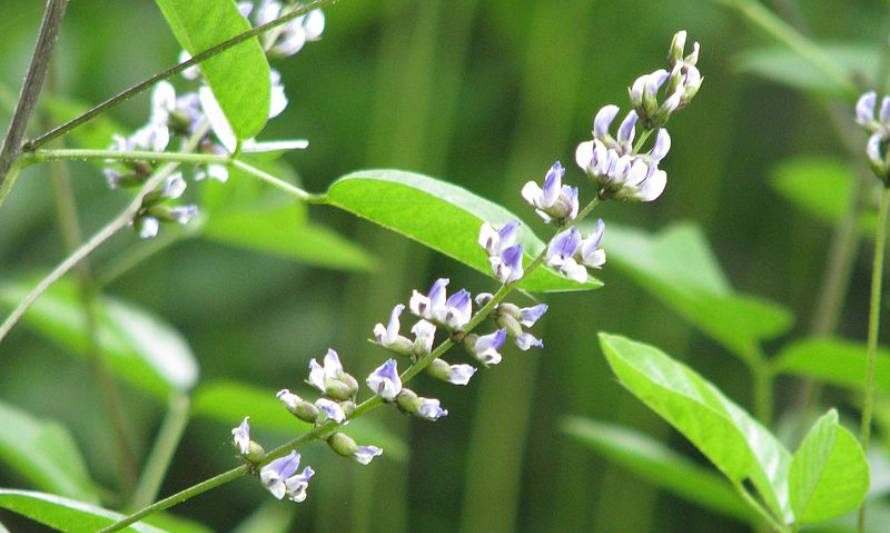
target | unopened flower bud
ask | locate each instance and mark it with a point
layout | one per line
(678, 47)
(300, 408)
(428, 408)
(454, 374)
(514, 328)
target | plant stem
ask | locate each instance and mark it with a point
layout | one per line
(40, 156)
(46, 40)
(162, 451)
(166, 73)
(282, 185)
(766, 515)
(874, 324)
(139, 252)
(367, 405)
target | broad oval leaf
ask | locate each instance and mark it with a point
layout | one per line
(64, 514)
(727, 435)
(140, 347)
(440, 215)
(661, 466)
(230, 401)
(821, 187)
(787, 67)
(835, 361)
(678, 267)
(829, 474)
(44, 453)
(239, 76)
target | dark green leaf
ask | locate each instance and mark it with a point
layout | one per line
(140, 347)
(44, 453)
(678, 267)
(829, 474)
(238, 77)
(230, 401)
(63, 514)
(440, 215)
(661, 466)
(835, 361)
(736, 443)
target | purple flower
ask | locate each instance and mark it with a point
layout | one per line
(505, 257)
(241, 436)
(321, 376)
(561, 254)
(458, 310)
(496, 241)
(289, 399)
(330, 409)
(430, 306)
(529, 315)
(424, 336)
(486, 347)
(591, 254)
(555, 201)
(385, 382)
(364, 454)
(430, 409)
(280, 477)
(388, 336)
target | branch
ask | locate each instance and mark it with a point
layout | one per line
(46, 39)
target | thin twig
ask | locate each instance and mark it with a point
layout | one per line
(46, 39)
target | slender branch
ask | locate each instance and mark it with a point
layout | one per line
(123, 262)
(874, 314)
(166, 73)
(46, 40)
(293, 190)
(367, 405)
(162, 451)
(40, 156)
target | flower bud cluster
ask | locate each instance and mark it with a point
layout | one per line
(675, 87)
(176, 120)
(877, 149)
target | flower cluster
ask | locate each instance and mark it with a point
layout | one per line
(879, 127)
(176, 120)
(615, 164)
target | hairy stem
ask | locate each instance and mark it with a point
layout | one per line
(166, 73)
(367, 405)
(874, 314)
(46, 40)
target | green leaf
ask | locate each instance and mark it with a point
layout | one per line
(268, 518)
(836, 361)
(829, 474)
(678, 267)
(787, 67)
(44, 453)
(238, 77)
(63, 514)
(230, 401)
(440, 215)
(659, 465)
(139, 346)
(737, 444)
(819, 186)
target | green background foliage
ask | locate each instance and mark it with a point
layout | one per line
(484, 95)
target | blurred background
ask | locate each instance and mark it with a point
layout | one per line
(485, 95)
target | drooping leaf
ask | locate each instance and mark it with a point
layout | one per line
(139, 346)
(678, 267)
(834, 361)
(44, 453)
(658, 464)
(737, 444)
(230, 401)
(64, 514)
(829, 474)
(239, 76)
(786, 67)
(440, 215)
(819, 186)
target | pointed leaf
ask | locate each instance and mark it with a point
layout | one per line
(678, 267)
(659, 465)
(829, 474)
(44, 453)
(64, 514)
(239, 76)
(440, 215)
(140, 347)
(727, 435)
(835, 361)
(230, 401)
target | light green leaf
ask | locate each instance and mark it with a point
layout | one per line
(268, 518)
(786, 67)
(819, 186)
(678, 267)
(230, 401)
(835, 361)
(440, 215)
(44, 453)
(737, 444)
(829, 474)
(63, 514)
(140, 348)
(661, 466)
(238, 77)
